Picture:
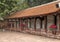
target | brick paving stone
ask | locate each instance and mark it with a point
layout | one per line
(7, 36)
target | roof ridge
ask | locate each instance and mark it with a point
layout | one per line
(42, 5)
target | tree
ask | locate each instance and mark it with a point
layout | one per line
(7, 6)
(22, 4)
(38, 2)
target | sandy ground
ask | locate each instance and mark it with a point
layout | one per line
(21, 37)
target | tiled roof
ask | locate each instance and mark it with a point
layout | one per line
(37, 10)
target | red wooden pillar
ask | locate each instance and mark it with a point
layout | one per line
(55, 22)
(41, 23)
(59, 23)
(55, 19)
(7, 23)
(35, 24)
(45, 17)
(30, 22)
(27, 24)
(21, 24)
(15, 25)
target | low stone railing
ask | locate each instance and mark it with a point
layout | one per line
(37, 32)
(43, 33)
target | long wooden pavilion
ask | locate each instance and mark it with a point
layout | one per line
(37, 18)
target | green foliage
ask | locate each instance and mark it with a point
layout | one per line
(6, 6)
(22, 4)
(38, 2)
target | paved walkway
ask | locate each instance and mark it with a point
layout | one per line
(21, 37)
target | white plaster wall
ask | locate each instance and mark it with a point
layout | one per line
(28, 23)
(18, 24)
(50, 21)
(58, 22)
(37, 24)
(32, 24)
(43, 25)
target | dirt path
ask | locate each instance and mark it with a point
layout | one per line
(21, 37)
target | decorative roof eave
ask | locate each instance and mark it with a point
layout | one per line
(36, 15)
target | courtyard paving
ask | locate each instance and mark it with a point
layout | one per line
(7, 36)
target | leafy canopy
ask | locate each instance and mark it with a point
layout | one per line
(38, 2)
(7, 6)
